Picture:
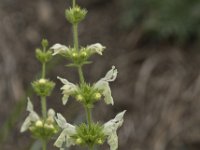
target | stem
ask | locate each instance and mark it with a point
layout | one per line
(89, 118)
(80, 72)
(91, 147)
(74, 3)
(44, 107)
(43, 98)
(44, 145)
(43, 70)
(75, 36)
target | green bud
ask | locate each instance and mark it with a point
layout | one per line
(79, 141)
(79, 97)
(74, 54)
(44, 43)
(43, 56)
(89, 136)
(75, 15)
(84, 54)
(99, 141)
(97, 95)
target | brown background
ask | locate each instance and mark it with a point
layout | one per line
(158, 82)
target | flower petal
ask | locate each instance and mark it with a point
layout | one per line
(59, 49)
(110, 129)
(32, 117)
(103, 85)
(64, 125)
(96, 48)
(65, 136)
(111, 75)
(68, 89)
(113, 141)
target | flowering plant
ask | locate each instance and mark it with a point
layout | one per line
(49, 124)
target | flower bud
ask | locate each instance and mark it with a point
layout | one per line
(48, 126)
(75, 15)
(79, 97)
(39, 123)
(44, 43)
(79, 141)
(75, 54)
(43, 87)
(84, 54)
(97, 95)
(42, 81)
(100, 141)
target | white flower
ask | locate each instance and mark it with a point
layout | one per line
(110, 130)
(59, 49)
(96, 48)
(32, 117)
(65, 140)
(103, 84)
(68, 89)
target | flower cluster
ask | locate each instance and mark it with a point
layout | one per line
(75, 15)
(35, 124)
(94, 134)
(87, 134)
(78, 57)
(43, 87)
(89, 94)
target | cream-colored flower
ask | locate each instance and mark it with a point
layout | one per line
(65, 140)
(32, 117)
(96, 48)
(67, 89)
(103, 85)
(59, 49)
(110, 130)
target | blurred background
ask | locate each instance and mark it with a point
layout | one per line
(154, 44)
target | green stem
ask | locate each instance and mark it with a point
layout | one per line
(89, 118)
(74, 3)
(43, 98)
(91, 147)
(75, 36)
(44, 107)
(43, 70)
(80, 72)
(44, 145)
